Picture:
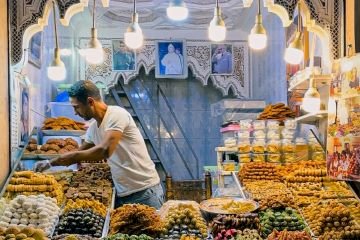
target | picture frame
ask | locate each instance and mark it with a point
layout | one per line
(171, 59)
(123, 58)
(222, 59)
(35, 46)
(24, 118)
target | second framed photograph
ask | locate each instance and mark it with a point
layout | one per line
(171, 59)
(222, 60)
(123, 58)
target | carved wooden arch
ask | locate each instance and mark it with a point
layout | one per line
(31, 16)
(321, 17)
(198, 60)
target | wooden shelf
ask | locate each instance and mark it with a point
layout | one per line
(226, 149)
(312, 117)
(300, 80)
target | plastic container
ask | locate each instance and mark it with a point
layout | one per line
(244, 145)
(302, 149)
(259, 134)
(288, 133)
(289, 157)
(258, 146)
(273, 146)
(290, 124)
(273, 158)
(287, 146)
(229, 165)
(245, 124)
(259, 124)
(63, 109)
(258, 158)
(245, 158)
(273, 125)
(273, 134)
(230, 142)
(243, 134)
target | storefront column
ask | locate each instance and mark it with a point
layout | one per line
(4, 93)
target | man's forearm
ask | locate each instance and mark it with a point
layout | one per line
(91, 155)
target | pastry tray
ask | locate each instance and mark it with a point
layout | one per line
(39, 156)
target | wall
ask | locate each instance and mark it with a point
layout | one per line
(268, 74)
(4, 93)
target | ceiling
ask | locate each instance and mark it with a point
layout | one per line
(152, 14)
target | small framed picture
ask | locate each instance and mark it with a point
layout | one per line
(222, 60)
(123, 58)
(171, 59)
(24, 114)
(35, 49)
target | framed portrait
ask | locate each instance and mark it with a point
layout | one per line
(35, 49)
(222, 59)
(123, 58)
(24, 114)
(171, 59)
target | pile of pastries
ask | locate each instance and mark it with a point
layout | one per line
(30, 183)
(52, 146)
(92, 183)
(259, 171)
(96, 206)
(31, 211)
(136, 219)
(27, 233)
(277, 111)
(62, 123)
(59, 146)
(332, 219)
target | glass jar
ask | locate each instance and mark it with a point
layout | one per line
(244, 145)
(288, 133)
(259, 124)
(290, 124)
(273, 134)
(258, 146)
(245, 124)
(273, 146)
(287, 146)
(272, 125)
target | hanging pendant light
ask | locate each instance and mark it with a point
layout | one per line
(177, 10)
(56, 71)
(311, 100)
(133, 36)
(346, 63)
(217, 28)
(257, 37)
(294, 54)
(94, 53)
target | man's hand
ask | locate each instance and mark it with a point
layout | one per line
(42, 166)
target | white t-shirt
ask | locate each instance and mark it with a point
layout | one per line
(131, 167)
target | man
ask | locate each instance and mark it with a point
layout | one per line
(172, 61)
(113, 136)
(221, 61)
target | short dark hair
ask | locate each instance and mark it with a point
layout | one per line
(81, 90)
